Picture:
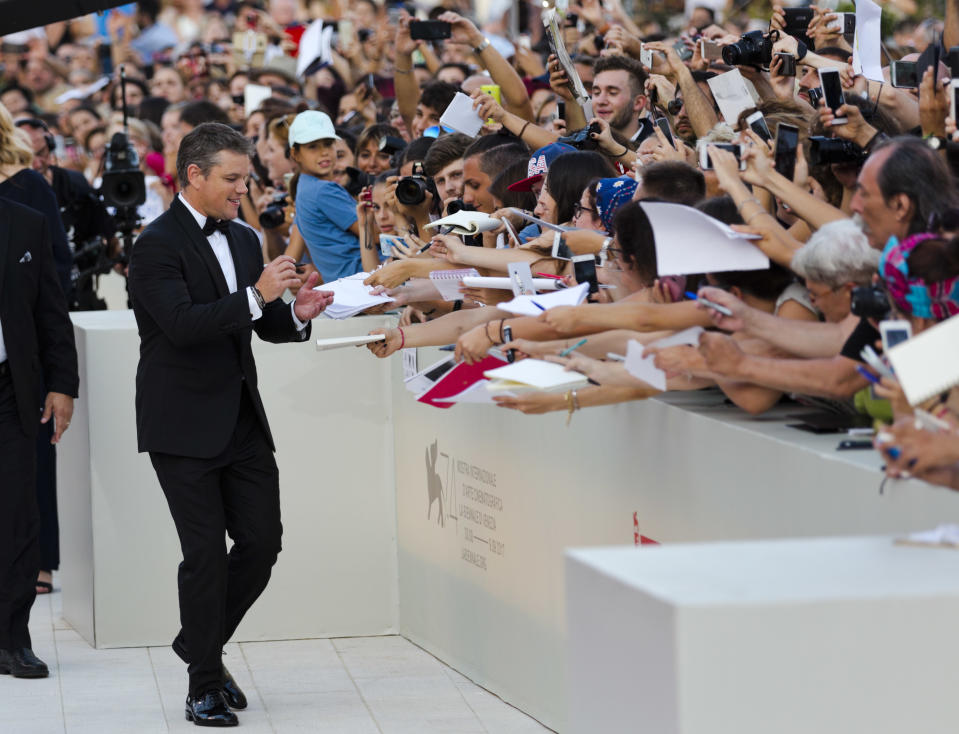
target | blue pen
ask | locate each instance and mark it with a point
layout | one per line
(706, 302)
(867, 374)
(541, 308)
(566, 352)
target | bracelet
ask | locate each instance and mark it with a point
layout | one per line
(398, 70)
(482, 47)
(625, 151)
(523, 130)
(402, 336)
(749, 220)
(569, 407)
(502, 323)
(746, 201)
(258, 297)
(575, 400)
(486, 329)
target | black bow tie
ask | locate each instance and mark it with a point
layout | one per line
(212, 225)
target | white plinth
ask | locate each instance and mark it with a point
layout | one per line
(791, 637)
(331, 421)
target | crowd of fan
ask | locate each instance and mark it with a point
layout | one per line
(353, 148)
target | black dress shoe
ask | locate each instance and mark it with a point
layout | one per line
(210, 709)
(234, 696)
(22, 663)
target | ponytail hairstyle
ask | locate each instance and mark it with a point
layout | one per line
(16, 149)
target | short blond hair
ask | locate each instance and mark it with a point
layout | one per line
(16, 148)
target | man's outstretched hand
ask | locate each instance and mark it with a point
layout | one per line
(310, 303)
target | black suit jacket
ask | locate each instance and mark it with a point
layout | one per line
(37, 330)
(195, 336)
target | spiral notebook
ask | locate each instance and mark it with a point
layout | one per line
(928, 364)
(447, 282)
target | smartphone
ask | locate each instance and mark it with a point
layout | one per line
(684, 51)
(797, 20)
(814, 94)
(663, 124)
(430, 30)
(561, 110)
(904, 74)
(386, 244)
(706, 163)
(787, 141)
(508, 337)
(954, 97)
(645, 56)
(929, 58)
(853, 444)
(584, 270)
(788, 67)
(894, 332)
(845, 23)
(561, 250)
(493, 90)
(345, 31)
(952, 61)
(710, 50)
(832, 92)
(757, 123)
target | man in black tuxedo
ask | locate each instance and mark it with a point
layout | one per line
(199, 291)
(38, 370)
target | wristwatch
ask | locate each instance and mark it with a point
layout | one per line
(482, 47)
(935, 142)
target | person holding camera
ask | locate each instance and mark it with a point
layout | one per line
(325, 212)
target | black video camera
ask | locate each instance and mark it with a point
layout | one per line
(123, 183)
(581, 140)
(275, 214)
(752, 49)
(823, 150)
(412, 190)
(869, 302)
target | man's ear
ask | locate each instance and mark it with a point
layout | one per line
(639, 103)
(901, 206)
(194, 174)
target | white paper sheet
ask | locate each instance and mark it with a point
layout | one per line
(688, 241)
(338, 342)
(866, 54)
(501, 283)
(534, 373)
(731, 94)
(476, 393)
(253, 95)
(525, 306)
(643, 368)
(315, 43)
(461, 116)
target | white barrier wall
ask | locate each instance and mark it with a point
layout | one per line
(330, 416)
(788, 636)
(484, 590)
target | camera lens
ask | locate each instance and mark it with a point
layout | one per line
(411, 190)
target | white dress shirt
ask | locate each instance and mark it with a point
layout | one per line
(221, 248)
(3, 346)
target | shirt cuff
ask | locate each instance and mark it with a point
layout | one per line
(255, 310)
(300, 325)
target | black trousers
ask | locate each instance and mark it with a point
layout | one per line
(47, 499)
(235, 493)
(19, 522)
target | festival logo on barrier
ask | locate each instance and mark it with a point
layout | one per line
(462, 491)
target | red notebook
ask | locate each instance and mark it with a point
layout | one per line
(458, 379)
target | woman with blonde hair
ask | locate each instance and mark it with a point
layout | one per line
(20, 183)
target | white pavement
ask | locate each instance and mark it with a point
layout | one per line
(362, 685)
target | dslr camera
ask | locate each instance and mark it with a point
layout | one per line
(752, 49)
(274, 215)
(412, 190)
(581, 140)
(357, 180)
(823, 150)
(869, 302)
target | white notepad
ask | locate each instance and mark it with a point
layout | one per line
(535, 305)
(501, 283)
(461, 116)
(447, 282)
(338, 342)
(536, 374)
(350, 296)
(928, 364)
(643, 368)
(466, 222)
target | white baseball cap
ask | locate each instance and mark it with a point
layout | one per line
(311, 125)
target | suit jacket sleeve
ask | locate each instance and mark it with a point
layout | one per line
(58, 352)
(159, 286)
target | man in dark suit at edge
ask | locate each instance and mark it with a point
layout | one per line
(199, 290)
(38, 358)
